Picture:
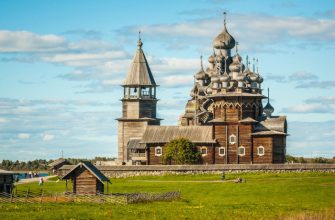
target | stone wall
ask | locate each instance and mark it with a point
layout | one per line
(156, 170)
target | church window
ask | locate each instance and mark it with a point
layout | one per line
(260, 151)
(203, 151)
(222, 151)
(158, 151)
(241, 151)
(232, 139)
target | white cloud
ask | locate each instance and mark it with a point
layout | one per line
(259, 32)
(83, 59)
(318, 84)
(309, 108)
(328, 100)
(23, 136)
(24, 41)
(48, 137)
(302, 76)
(3, 120)
(177, 81)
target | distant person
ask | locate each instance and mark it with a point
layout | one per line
(30, 174)
(41, 181)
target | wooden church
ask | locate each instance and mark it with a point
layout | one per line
(224, 118)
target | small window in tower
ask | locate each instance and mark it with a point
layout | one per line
(222, 151)
(232, 139)
(145, 91)
(260, 151)
(241, 151)
(158, 151)
(203, 151)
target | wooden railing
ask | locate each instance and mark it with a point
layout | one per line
(41, 196)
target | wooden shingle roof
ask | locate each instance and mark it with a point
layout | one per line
(56, 162)
(139, 73)
(164, 134)
(90, 167)
(273, 123)
(134, 143)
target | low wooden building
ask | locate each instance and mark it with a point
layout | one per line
(54, 166)
(6, 181)
(86, 179)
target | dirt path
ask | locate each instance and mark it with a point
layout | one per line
(33, 180)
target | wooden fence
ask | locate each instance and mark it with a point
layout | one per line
(41, 196)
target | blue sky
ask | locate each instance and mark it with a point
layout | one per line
(61, 63)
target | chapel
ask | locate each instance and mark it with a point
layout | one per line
(224, 117)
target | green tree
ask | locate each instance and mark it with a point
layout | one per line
(181, 151)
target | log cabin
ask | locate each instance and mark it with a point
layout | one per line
(86, 179)
(226, 101)
(7, 180)
(55, 165)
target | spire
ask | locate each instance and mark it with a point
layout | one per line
(139, 73)
(236, 47)
(247, 60)
(224, 40)
(253, 64)
(139, 42)
(268, 109)
(225, 18)
(202, 67)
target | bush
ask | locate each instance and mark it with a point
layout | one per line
(181, 151)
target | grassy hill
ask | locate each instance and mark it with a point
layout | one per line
(305, 195)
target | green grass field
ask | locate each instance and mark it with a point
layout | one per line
(263, 196)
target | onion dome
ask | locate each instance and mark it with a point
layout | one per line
(268, 109)
(211, 59)
(236, 65)
(215, 78)
(240, 77)
(210, 71)
(190, 106)
(224, 78)
(224, 40)
(260, 79)
(253, 77)
(201, 74)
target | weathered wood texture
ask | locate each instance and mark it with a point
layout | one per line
(266, 142)
(127, 130)
(245, 140)
(139, 108)
(84, 182)
(279, 146)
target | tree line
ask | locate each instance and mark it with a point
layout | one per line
(42, 164)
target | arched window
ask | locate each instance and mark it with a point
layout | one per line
(232, 139)
(222, 151)
(158, 151)
(203, 151)
(241, 151)
(260, 151)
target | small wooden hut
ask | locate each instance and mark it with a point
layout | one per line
(6, 181)
(86, 179)
(54, 166)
